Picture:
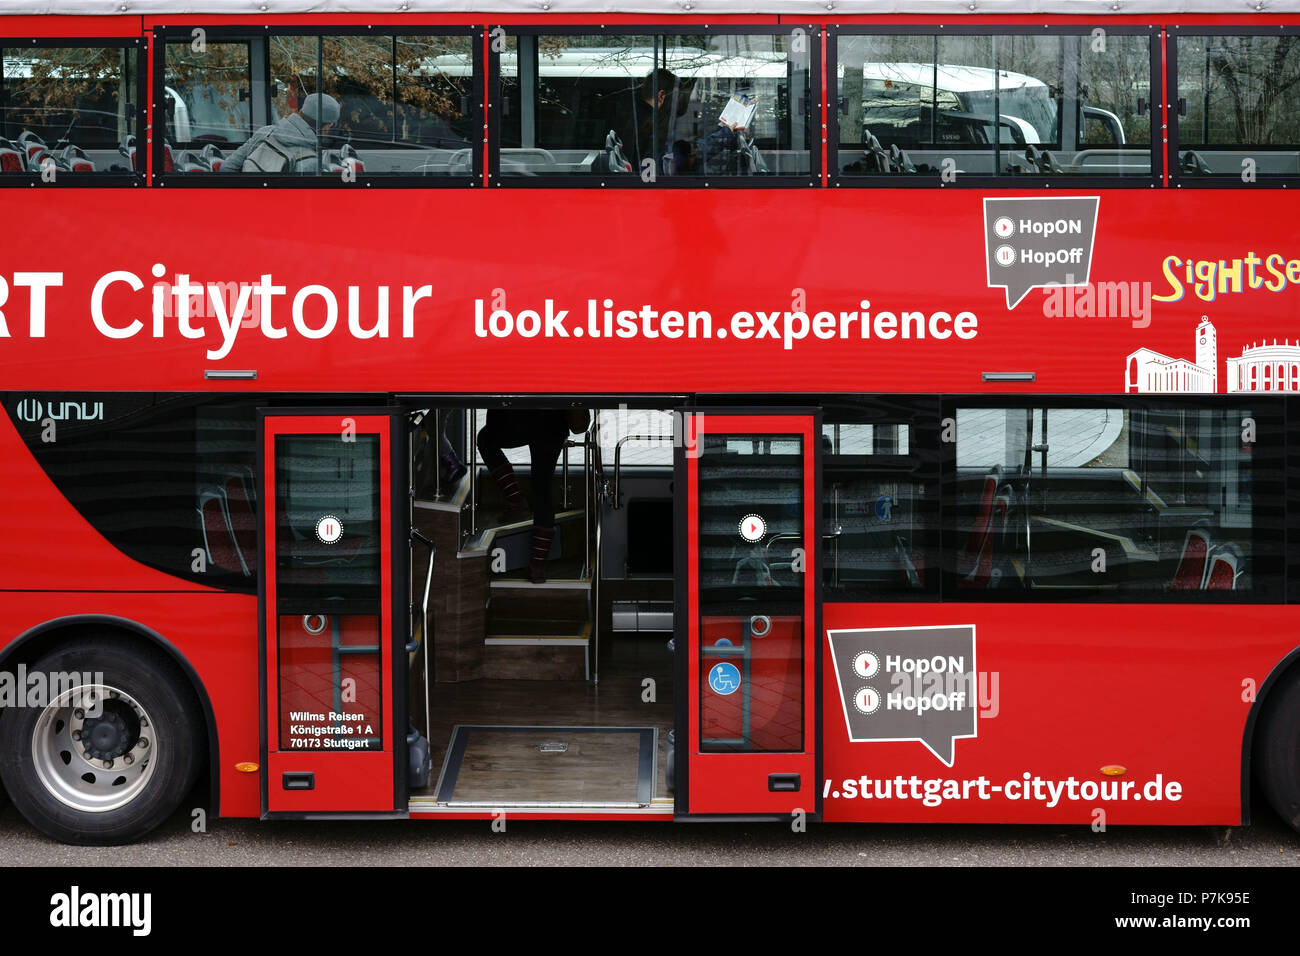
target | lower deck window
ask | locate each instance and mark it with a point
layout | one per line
(1178, 501)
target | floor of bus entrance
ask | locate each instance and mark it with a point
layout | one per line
(558, 694)
(522, 742)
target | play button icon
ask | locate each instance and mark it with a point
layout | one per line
(753, 528)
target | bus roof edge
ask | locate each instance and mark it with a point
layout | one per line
(811, 8)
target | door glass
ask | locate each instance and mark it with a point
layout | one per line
(752, 566)
(328, 594)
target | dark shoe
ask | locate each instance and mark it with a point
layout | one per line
(452, 469)
(542, 538)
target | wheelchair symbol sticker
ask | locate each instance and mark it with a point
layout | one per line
(724, 679)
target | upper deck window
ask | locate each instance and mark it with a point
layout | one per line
(67, 111)
(1025, 104)
(337, 106)
(1238, 106)
(638, 109)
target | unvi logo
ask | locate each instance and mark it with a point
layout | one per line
(33, 410)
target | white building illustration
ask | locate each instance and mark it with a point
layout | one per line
(1150, 371)
(1265, 368)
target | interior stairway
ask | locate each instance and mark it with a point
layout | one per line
(525, 631)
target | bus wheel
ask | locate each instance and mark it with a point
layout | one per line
(1277, 754)
(109, 754)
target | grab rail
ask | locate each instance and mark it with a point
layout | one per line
(618, 455)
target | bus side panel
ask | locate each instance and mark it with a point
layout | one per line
(215, 633)
(376, 238)
(55, 565)
(1063, 690)
(49, 546)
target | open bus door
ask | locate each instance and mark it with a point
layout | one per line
(333, 667)
(748, 614)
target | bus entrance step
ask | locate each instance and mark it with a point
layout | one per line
(538, 656)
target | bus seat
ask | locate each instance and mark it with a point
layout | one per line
(349, 158)
(243, 523)
(250, 484)
(1191, 572)
(910, 563)
(975, 559)
(526, 159)
(217, 538)
(616, 160)
(32, 145)
(76, 160)
(39, 158)
(11, 158)
(212, 155)
(1226, 565)
(127, 149)
(459, 163)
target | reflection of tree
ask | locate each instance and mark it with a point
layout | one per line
(392, 88)
(220, 72)
(52, 87)
(1116, 79)
(1250, 80)
(395, 80)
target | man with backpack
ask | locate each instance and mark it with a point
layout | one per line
(292, 144)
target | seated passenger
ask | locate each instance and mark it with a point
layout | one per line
(730, 149)
(292, 144)
(647, 120)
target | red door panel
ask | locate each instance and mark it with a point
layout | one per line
(751, 579)
(328, 631)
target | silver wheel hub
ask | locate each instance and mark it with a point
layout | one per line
(93, 748)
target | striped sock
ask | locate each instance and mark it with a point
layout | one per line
(509, 485)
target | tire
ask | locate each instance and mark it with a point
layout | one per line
(113, 755)
(1277, 751)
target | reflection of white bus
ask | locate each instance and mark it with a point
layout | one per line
(923, 103)
(927, 109)
(201, 114)
(565, 98)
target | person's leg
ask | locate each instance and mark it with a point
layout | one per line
(453, 470)
(492, 437)
(545, 455)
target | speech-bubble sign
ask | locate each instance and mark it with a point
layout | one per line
(908, 683)
(1033, 243)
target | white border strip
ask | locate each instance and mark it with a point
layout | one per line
(393, 10)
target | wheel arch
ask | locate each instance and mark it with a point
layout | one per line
(1260, 704)
(34, 643)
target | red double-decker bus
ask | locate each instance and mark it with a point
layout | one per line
(864, 412)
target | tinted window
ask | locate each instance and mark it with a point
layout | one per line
(167, 479)
(880, 499)
(994, 105)
(67, 109)
(648, 106)
(1140, 500)
(321, 105)
(1238, 100)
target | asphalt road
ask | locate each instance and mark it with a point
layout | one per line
(1267, 843)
